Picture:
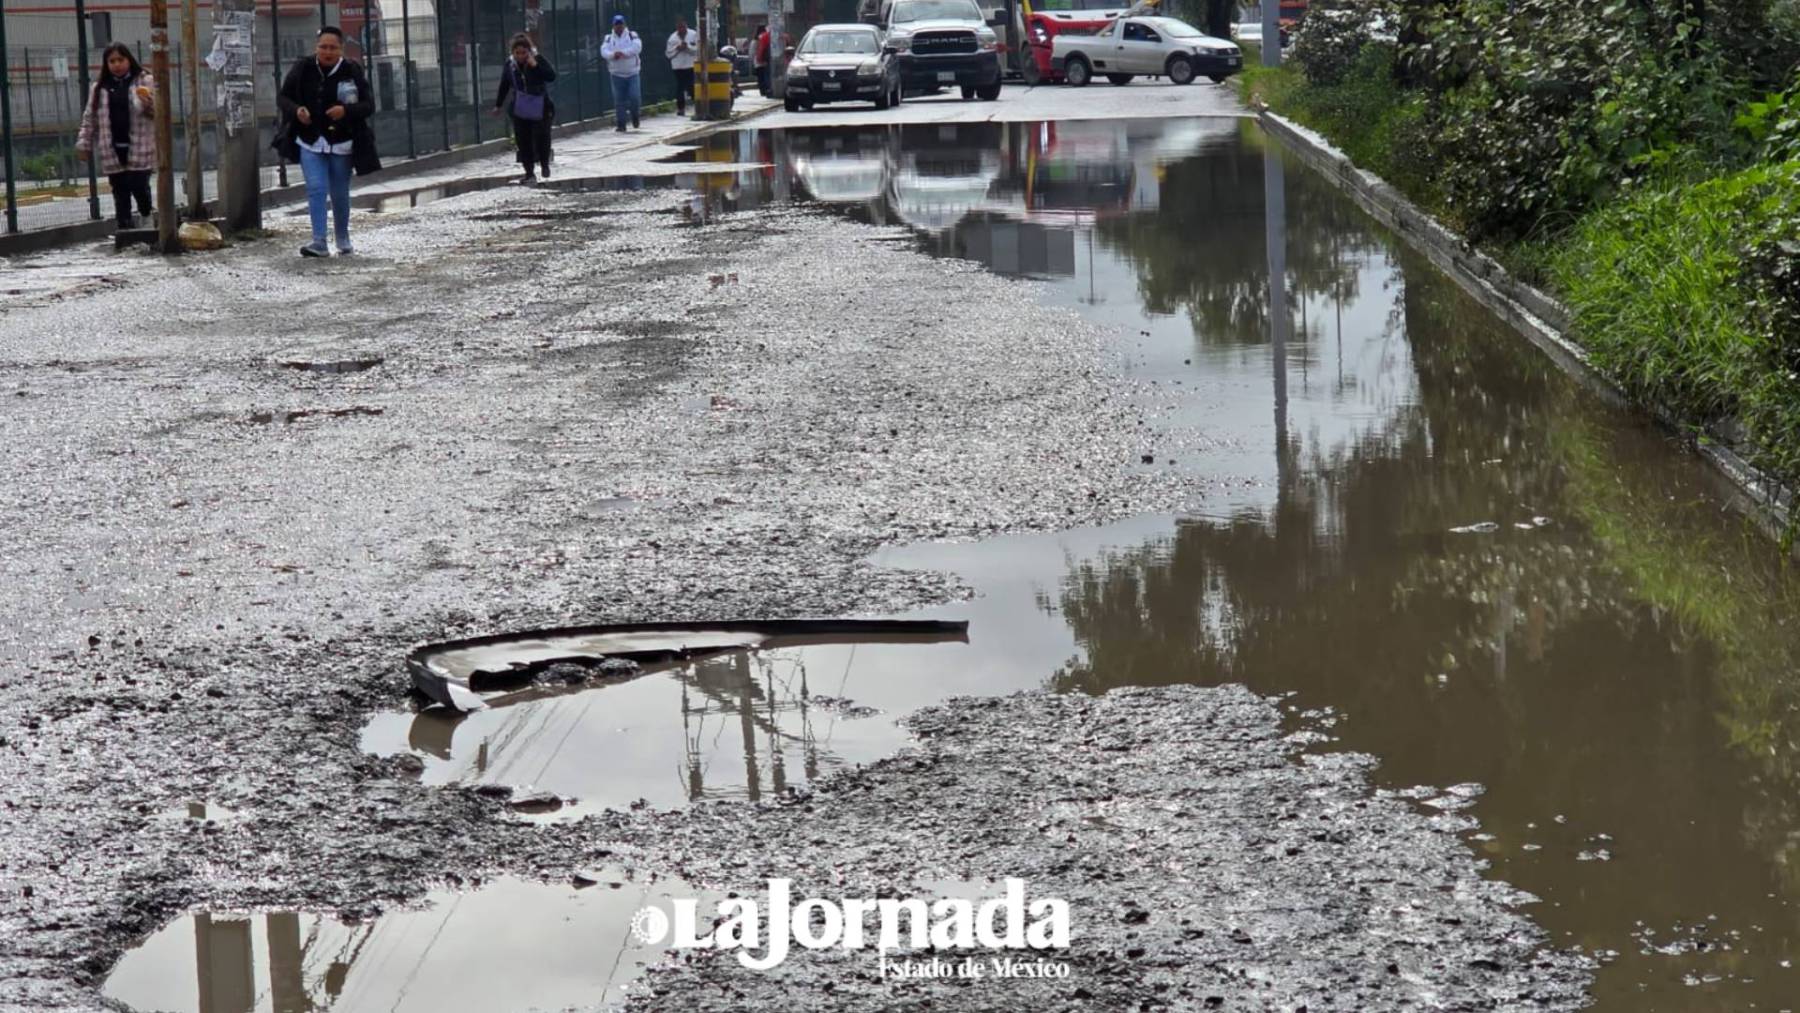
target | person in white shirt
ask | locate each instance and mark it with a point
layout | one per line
(622, 52)
(684, 45)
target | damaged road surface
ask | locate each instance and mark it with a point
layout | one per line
(1025, 377)
(1206, 863)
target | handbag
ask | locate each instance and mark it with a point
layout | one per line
(526, 106)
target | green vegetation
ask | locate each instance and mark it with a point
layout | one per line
(1639, 160)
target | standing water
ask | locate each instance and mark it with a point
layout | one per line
(1485, 574)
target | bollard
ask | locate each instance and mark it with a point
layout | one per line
(712, 91)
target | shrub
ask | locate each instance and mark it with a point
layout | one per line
(1545, 108)
(1333, 36)
(1689, 296)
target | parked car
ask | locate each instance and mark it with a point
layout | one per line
(843, 63)
(1145, 45)
(940, 43)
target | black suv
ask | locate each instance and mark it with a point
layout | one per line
(940, 43)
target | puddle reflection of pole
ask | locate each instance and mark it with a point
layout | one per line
(777, 757)
(287, 982)
(747, 725)
(225, 964)
(1275, 234)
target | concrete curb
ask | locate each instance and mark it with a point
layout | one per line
(1536, 315)
(38, 240)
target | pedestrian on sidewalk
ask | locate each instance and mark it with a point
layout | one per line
(121, 113)
(759, 56)
(684, 44)
(622, 52)
(526, 77)
(325, 103)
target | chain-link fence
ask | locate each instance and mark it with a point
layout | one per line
(434, 66)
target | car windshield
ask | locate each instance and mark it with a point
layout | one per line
(1175, 28)
(932, 10)
(834, 43)
(1081, 5)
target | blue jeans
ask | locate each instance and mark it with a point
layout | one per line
(327, 174)
(628, 96)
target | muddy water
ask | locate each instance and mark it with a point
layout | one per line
(1486, 574)
(575, 942)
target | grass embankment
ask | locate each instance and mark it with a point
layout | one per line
(1675, 288)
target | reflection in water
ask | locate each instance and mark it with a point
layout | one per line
(1493, 578)
(1422, 525)
(742, 724)
(508, 945)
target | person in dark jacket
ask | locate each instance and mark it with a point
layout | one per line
(326, 103)
(526, 77)
(119, 121)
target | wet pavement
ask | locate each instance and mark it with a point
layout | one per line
(1380, 500)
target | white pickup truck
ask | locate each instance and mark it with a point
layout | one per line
(1147, 44)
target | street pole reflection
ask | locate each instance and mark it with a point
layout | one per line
(1275, 236)
(225, 964)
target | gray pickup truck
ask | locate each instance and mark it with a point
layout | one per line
(940, 44)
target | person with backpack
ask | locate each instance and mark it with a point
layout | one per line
(622, 52)
(325, 105)
(526, 77)
(120, 117)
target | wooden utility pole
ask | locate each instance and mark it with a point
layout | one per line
(165, 166)
(190, 68)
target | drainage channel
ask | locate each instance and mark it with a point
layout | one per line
(1489, 579)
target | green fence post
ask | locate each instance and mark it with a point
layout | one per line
(406, 75)
(92, 162)
(6, 134)
(275, 62)
(474, 61)
(443, 74)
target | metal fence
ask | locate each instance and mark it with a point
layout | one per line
(434, 66)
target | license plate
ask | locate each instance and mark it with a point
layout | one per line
(946, 77)
(831, 86)
(1233, 61)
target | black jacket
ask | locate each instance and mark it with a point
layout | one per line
(537, 80)
(307, 86)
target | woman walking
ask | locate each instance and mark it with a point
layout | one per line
(526, 77)
(326, 103)
(119, 117)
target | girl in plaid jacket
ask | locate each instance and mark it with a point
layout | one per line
(118, 121)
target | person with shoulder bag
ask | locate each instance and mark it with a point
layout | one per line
(120, 119)
(526, 77)
(325, 104)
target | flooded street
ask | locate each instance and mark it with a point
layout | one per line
(1489, 576)
(1353, 492)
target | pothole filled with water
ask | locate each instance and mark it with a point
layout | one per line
(507, 945)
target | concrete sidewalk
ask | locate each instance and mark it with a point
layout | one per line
(584, 140)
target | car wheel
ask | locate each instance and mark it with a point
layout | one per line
(988, 92)
(1181, 69)
(899, 93)
(791, 104)
(1029, 72)
(885, 99)
(1120, 79)
(968, 92)
(1218, 78)
(1077, 72)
